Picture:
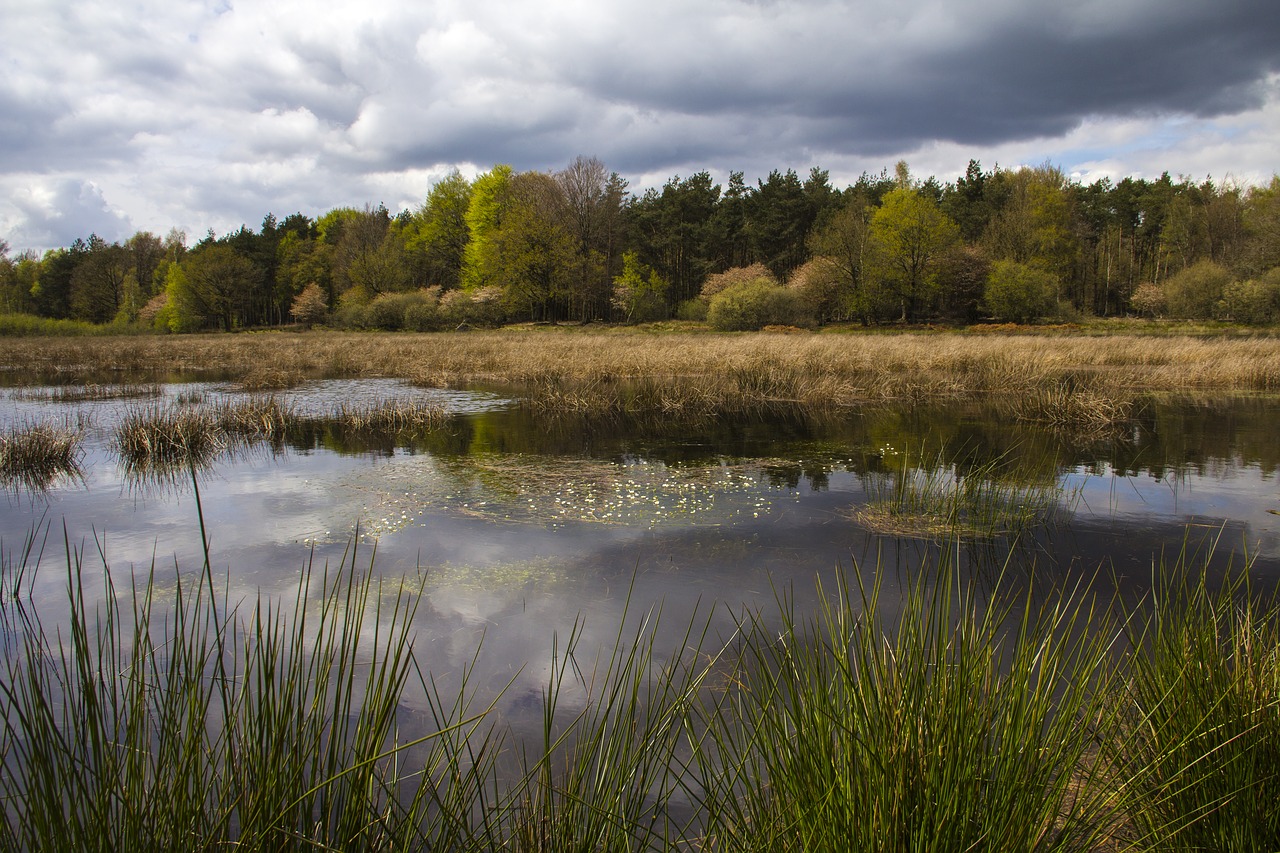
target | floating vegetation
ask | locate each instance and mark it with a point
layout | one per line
(561, 490)
(33, 456)
(939, 501)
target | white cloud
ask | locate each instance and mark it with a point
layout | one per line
(210, 114)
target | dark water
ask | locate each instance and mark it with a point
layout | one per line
(515, 527)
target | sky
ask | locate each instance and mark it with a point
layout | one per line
(126, 115)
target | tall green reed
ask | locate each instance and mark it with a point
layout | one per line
(197, 725)
(956, 724)
(1200, 725)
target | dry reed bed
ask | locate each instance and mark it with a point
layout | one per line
(595, 367)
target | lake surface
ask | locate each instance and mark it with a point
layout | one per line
(515, 527)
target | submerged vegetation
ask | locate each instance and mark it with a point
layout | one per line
(943, 716)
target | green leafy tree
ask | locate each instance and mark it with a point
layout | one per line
(1020, 293)
(845, 242)
(485, 213)
(437, 234)
(98, 282)
(908, 235)
(533, 252)
(210, 289)
(639, 293)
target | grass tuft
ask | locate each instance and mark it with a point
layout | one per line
(35, 455)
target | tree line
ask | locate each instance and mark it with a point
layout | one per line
(1022, 245)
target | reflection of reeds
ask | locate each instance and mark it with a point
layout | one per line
(33, 456)
(1076, 411)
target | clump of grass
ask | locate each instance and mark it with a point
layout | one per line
(258, 418)
(90, 392)
(1076, 411)
(1200, 734)
(34, 455)
(955, 725)
(196, 726)
(390, 417)
(162, 440)
(939, 501)
(271, 378)
(607, 779)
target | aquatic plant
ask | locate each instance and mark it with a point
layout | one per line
(943, 722)
(1200, 725)
(34, 455)
(191, 724)
(158, 441)
(940, 501)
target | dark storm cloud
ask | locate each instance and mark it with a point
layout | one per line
(208, 114)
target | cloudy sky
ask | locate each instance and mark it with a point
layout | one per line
(120, 115)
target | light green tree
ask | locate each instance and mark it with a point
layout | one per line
(209, 288)
(437, 235)
(1020, 293)
(639, 293)
(908, 235)
(485, 215)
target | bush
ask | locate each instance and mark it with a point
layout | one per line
(309, 307)
(1194, 293)
(479, 307)
(816, 285)
(1148, 300)
(718, 283)
(692, 309)
(1018, 293)
(752, 305)
(1256, 302)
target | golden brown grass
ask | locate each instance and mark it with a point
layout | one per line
(682, 371)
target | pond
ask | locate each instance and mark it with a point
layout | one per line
(516, 526)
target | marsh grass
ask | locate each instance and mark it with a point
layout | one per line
(941, 716)
(629, 370)
(941, 723)
(35, 455)
(939, 501)
(89, 393)
(161, 441)
(194, 724)
(1082, 412)
(1200, 731)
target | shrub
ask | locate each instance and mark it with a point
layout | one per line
(720, 282)
(639, 294)
(816, 284)
(1148, 300)
(692, 309)
(1256, 302)
(309, 307)
(479, 307)
(1194, 293)
(1019, 293)
(751, 305)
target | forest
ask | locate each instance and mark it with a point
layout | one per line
(1019, 245)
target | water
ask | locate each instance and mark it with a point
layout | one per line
(516, 527)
